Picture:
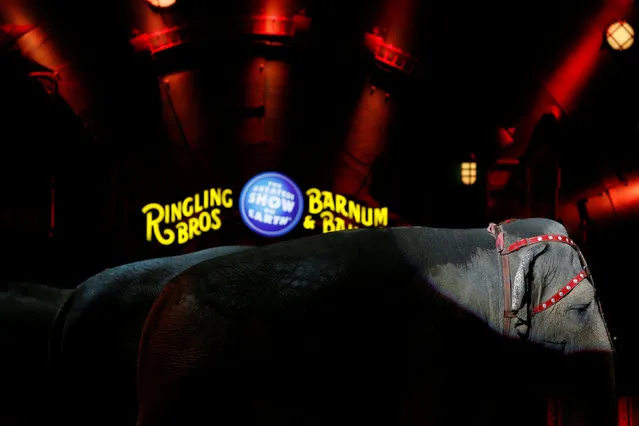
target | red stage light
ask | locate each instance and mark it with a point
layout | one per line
(161, 40)
(506, 136)
(393, 57)
(387, 56)
(272, 26)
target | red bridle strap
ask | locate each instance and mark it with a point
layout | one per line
(562, 293)
(534, 240)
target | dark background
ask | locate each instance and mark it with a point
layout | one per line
(127, 128)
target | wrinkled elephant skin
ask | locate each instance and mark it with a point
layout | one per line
(379, 327)
(94, 341)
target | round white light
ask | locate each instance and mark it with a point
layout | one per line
(620, 35)
(161, 3)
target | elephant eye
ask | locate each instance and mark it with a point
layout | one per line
(581, 308)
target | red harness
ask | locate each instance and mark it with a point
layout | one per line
(495, 229)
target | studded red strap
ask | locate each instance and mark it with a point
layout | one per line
(541, 238)
(562, 293)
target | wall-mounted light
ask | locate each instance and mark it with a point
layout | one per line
(161, 3)
(620, 35)
(468, 172)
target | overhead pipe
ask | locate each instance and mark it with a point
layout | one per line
(37, 43)
(560, 92)
(614, 200)
(372, 118)
(563, 87)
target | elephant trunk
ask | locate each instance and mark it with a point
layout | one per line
(589, 398)
(589, 394)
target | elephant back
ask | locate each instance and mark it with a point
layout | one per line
(94, 342)
(56, 332)
(340, 328)
(27, 311)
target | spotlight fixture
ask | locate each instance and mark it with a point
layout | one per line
(161, 3)
(620, 35)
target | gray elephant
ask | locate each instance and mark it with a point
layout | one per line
(403, 326)
(93, 346)
(27, 311)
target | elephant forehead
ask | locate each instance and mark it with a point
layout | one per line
(526, 228)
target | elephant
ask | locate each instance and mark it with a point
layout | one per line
(27, 310)
(396, 326)
(93, 343)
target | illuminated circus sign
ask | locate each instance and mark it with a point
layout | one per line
(270, 204)
(182, 221)
(337, 213)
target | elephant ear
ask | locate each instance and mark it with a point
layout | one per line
(521, 287)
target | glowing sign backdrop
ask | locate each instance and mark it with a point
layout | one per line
(271, 204)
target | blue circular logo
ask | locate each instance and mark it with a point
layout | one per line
(271, 204)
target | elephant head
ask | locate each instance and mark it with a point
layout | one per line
(553, 295)
(554, 304)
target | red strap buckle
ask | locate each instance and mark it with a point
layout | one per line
(499, 243)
